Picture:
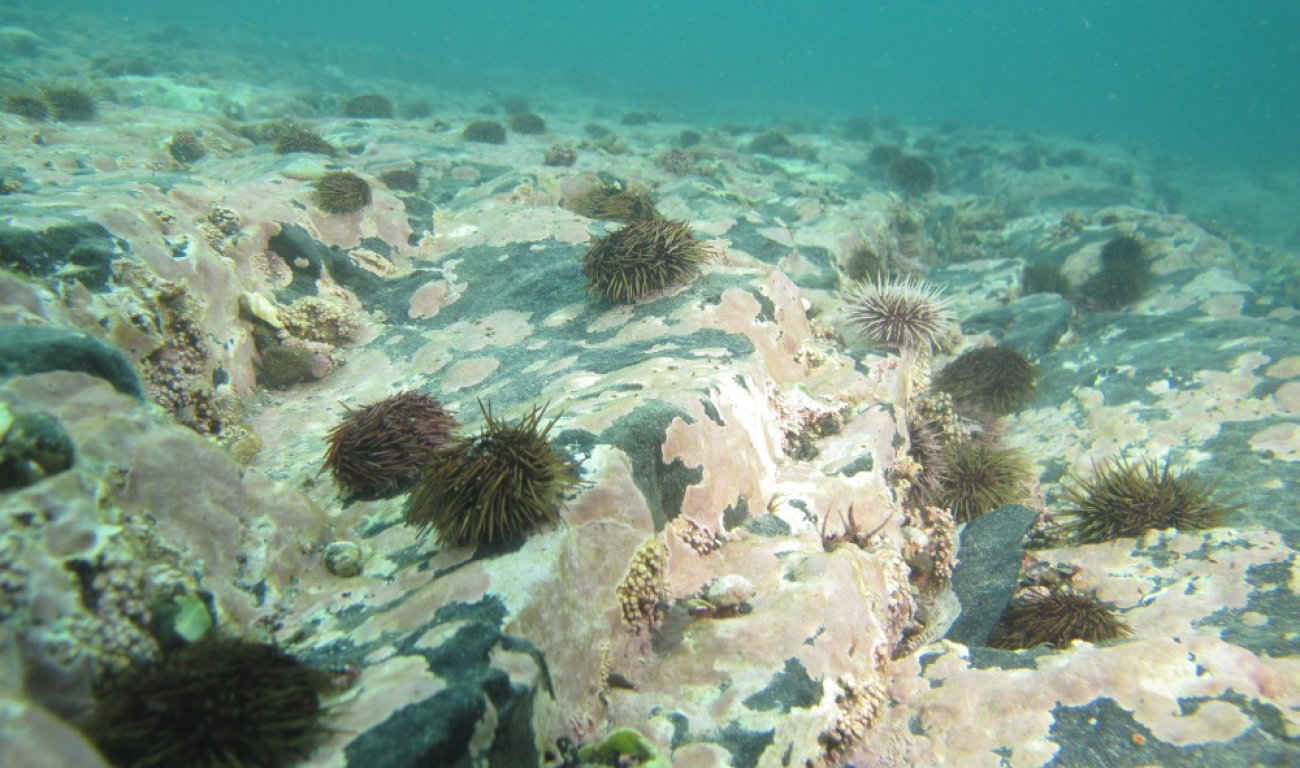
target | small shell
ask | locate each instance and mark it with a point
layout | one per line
(729, 591)
(344, 558)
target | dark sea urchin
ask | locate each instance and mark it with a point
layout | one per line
(979, 476)
(990, 380)
(506, 481)
(381, 448)
(342, 192)
(1122, 499)
(642, 258)
(217, 703)
(908, 314)
(1058, 619)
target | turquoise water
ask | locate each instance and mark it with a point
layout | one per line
(1220, 80)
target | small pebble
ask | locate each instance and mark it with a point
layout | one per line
(343, 558)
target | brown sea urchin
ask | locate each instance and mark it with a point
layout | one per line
(342, 192)
(988, 380)
(503, 482)
(642, 258)
(1058, 619)
(381, 448)
(979, 476)
(218, 702)
(910, 314)
(1123, 499)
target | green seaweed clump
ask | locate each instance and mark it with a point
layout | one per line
(623, 747)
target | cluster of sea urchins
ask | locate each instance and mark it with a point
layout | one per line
(507, 480)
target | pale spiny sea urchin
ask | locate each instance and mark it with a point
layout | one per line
(908, 313)
(506, 481)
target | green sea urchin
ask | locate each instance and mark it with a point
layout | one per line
(1058, 619)
(68, 102)
(912, 174)
(381, 448)
(369, 105)
(484, 132)
(991, 380)
(1122, 499)
(28, 105)
(642, 258)
(504, 482)
(910, 314)
(1125, 275)
(614, 203)
(342, 192)
(218, 703)
(979, 476)
(527, 123)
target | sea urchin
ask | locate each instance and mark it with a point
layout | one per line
(501, 483)
(990, 380)
(1057, 618)
(642, 258)
(381, 448)
(910, 314)
(979, 476)
(218, 703)
(342, 192)
(1122, 499)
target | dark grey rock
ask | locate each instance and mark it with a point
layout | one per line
(35, 446)
(1031, 325)
(1100, 735)
(438, 730)
(84, 252)
(988, 567)
(29, 349)
(791, 687)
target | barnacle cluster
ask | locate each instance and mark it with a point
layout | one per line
(643, 590)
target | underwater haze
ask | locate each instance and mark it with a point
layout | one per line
(1217, 79)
